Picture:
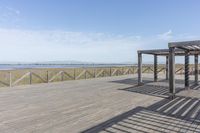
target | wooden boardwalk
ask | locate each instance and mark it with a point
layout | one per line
(112, 104)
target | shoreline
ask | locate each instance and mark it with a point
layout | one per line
(46, 66)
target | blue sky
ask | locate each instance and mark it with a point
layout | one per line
(93, 30)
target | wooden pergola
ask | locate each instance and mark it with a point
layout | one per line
(186, 49)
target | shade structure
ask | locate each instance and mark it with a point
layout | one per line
(186, 49)
(189, 48)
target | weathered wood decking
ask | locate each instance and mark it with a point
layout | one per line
(112, 104)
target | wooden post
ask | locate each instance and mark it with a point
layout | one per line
(196, 72)
(110, 71)
(139, 68)
(30, 77)
(172, 72)
(155, 68)
(186, 69)
(167, 67)
(47, 76)
(10, 79)
(74, 73)
(85, 74)
(62, 76)
(94, 72)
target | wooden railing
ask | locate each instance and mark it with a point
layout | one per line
(33, 76)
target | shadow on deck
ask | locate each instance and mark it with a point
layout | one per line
(134, 81)
(179, 115)
(159, 88)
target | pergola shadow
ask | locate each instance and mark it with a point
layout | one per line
(159, 88)
(152, 90)
(181, 114)
(134, 81)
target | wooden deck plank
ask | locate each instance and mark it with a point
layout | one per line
(75, 106)
(70, 106)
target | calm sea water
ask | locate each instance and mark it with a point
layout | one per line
(24, 66)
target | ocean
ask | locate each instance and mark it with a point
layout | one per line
(29, 66)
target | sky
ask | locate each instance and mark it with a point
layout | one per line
(99, 31)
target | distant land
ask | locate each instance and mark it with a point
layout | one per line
(62, 62)
(56, 64)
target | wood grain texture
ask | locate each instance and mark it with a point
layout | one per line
(75, 106)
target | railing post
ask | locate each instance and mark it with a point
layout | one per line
(62, 76)
(85, 74)
(47, 76)
(10, 79)
(129, 70)
(148, 68)
(110, 71)
(94, 73)
(74, 73)
(30, 77)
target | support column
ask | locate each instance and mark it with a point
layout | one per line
(155, 68)
(139, 68)
(196, 60)
(167, 67)
(172, 72)
(186, 70)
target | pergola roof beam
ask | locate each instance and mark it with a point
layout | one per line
(184, 43)
(157, 51)
(184, 48)
(178, 52)
(197, 47)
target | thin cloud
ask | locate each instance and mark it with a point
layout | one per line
(53, 45)
(12, 10)
(166, 36)
(31, 45)
(9, 15)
